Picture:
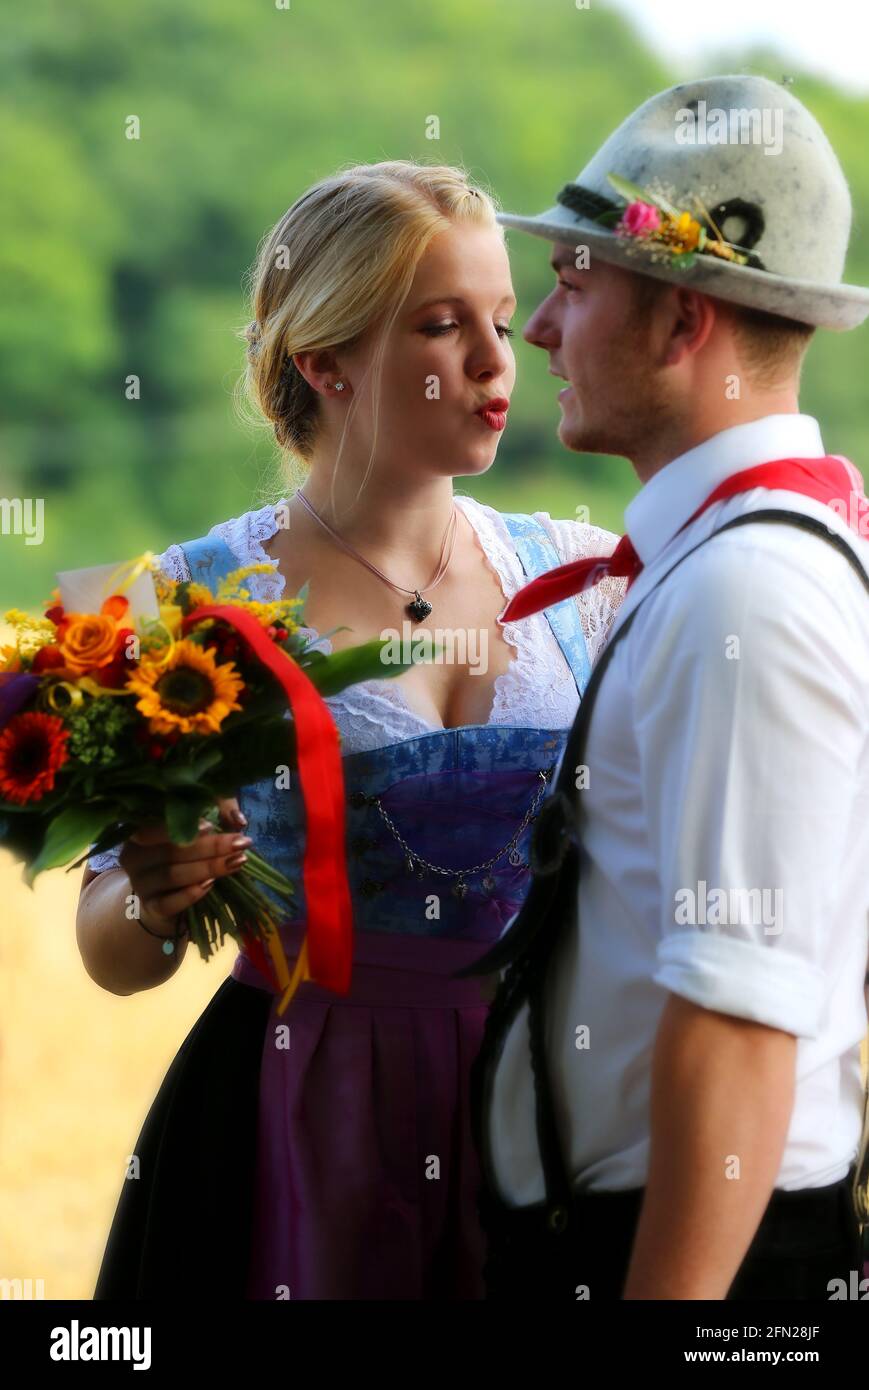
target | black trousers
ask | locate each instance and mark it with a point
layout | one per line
(805, 1239)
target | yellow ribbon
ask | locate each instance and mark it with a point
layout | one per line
(301, 972)
(146, 561)
(153, 626)
(75, 695)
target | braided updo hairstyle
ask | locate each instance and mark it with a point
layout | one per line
(340, 261)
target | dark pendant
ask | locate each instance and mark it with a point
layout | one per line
(460, 889)
(488, 883)
(410, 865)
(515, 857)
(418, 607)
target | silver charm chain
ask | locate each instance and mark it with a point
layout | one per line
(414, 859)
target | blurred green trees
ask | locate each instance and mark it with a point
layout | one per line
(124, 257)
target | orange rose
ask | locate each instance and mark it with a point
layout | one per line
(88, 641)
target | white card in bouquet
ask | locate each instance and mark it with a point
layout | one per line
(86, 590)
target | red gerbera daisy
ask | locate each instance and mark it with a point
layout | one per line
(32, 748)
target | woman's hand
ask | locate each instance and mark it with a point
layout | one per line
(168, 878)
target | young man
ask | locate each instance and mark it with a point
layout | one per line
(669, 1099)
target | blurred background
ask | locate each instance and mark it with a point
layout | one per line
(122, 257)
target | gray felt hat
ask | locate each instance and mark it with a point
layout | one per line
(769, 211)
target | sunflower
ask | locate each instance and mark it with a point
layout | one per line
(189, 693)
(32, 748)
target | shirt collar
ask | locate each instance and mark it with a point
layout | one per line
(670, 497)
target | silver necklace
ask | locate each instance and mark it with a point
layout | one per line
(418, 608)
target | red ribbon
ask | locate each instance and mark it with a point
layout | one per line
(318, 757)
(832, 480)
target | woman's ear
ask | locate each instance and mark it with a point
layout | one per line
(320, 369)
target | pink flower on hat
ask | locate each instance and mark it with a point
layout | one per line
(639, 219)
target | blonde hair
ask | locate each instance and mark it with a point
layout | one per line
(338, 262)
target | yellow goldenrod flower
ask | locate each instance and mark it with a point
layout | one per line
(199, 594)
(232, 585)
(31, 633)
(682, 233)
(277, 614)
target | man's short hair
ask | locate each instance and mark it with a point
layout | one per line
(769, 347)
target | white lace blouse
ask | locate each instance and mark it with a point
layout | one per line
(537, 689)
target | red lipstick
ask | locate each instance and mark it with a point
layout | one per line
(494, 412)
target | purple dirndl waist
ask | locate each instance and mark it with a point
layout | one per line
(388, 969)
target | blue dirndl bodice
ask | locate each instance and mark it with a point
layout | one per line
(458, 799)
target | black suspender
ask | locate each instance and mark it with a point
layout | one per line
(524, 952)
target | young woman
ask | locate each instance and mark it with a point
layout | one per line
(379, 351)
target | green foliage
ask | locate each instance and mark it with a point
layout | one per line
(67, 835)
(127, 257)
(98, 730)
(332, 673)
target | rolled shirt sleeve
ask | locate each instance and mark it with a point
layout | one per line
(751, 724)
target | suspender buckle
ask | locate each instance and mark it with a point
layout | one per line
(556, 1220)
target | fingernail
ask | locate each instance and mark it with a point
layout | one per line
(241, 842)
(207, 884)
(239, 818)
(236, 861)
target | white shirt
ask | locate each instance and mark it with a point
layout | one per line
(729, 747)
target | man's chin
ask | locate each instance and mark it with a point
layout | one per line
(573, 435)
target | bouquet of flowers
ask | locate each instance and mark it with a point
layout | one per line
(156, 709)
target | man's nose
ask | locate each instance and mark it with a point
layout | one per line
(540, 331)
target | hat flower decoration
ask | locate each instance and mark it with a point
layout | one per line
(668, 233)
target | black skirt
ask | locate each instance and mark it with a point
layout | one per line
(182, 1227)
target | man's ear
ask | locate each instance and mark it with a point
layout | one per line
(693, 321)
(319, 368)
